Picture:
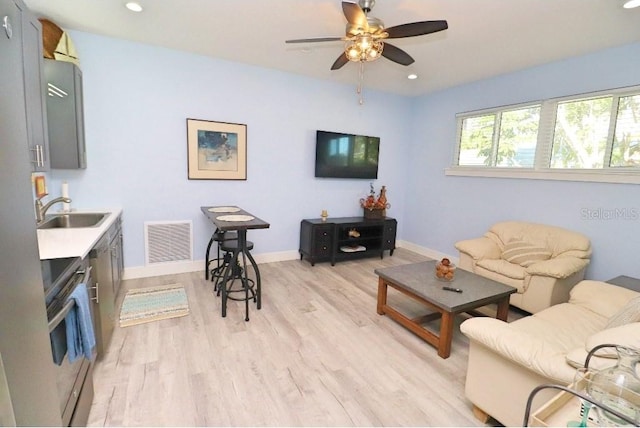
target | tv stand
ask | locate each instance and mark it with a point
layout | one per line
(346, 238)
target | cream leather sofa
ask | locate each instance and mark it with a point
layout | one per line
(507, 360)
(542, 262)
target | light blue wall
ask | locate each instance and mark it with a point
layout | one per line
(441, 210)
(137, 99)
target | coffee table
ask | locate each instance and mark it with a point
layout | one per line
(418, 281)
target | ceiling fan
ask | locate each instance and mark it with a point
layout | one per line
(365, 34)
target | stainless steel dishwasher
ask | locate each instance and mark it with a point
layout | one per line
(102, 294)
(74, 379)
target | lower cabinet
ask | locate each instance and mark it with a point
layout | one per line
(346, 238)
(107, 264)
(316, 241)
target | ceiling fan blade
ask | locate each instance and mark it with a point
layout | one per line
(395, 54)
(342, 60)
(355, 16)
(416, 29)
(317, 39)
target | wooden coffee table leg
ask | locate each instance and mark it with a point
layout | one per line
(446, 334)
(382, 295)
(503, 309)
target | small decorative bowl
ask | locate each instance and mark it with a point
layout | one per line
(445, 273)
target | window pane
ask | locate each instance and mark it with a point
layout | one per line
(476, 140)
(580, 136)
(518, 137)
(626, 142)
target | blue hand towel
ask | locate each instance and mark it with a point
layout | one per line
(81, 338)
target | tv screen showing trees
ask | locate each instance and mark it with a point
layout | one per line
(340, 155)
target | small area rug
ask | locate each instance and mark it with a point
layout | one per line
(144, 305)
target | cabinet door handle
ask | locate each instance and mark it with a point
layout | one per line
(41, 150)
(97, 298)
(8, 29)
(36, 153)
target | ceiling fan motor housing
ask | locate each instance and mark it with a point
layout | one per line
(366, 5)
(375, 26)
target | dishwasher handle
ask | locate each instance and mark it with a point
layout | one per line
(57, 318)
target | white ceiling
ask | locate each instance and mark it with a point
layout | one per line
(485, 37)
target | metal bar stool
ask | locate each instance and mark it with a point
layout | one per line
(234, 271)
(218, 236)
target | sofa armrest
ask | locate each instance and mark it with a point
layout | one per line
(528, 350)
(479, 248)
(560, 267)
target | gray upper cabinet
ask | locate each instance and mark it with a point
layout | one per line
(65, 116)
(34, 86)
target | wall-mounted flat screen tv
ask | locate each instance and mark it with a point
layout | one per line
(340, 155)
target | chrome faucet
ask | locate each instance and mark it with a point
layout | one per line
(42, 210)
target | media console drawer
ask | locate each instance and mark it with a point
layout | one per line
(346, 238)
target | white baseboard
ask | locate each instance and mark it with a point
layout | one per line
(427, 252)
(198, 265)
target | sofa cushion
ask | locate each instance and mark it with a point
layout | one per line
(524, 253)
(629, 313)
(625, 335)
(556, 239)
(479, 248)
(503, 267)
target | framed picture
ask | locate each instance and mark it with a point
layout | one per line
(216, 150)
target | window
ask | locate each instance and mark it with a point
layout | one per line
(626, 140)
(580, 136)
(568, 138)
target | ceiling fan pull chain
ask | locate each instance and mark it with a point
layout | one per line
(360, 83)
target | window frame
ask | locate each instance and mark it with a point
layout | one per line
(541, 168)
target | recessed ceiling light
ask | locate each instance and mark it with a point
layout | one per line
(412, 76)
(631, 4)
(133, 6)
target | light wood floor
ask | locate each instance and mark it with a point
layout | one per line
(317, 354)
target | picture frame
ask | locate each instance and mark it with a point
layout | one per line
(216, 150)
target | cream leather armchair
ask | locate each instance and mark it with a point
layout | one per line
(542, 262)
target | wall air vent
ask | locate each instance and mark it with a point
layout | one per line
(168, 241)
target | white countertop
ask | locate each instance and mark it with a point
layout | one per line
(73, 242)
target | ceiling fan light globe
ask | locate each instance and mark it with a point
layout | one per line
(365, 42)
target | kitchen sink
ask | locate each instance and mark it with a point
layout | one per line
(73, 220)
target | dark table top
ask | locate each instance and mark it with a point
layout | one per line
(347, 220)
(626, 281)
(420, 278)
(255, 223)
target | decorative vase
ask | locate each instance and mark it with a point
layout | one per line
(618, 387)
(382, 199)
